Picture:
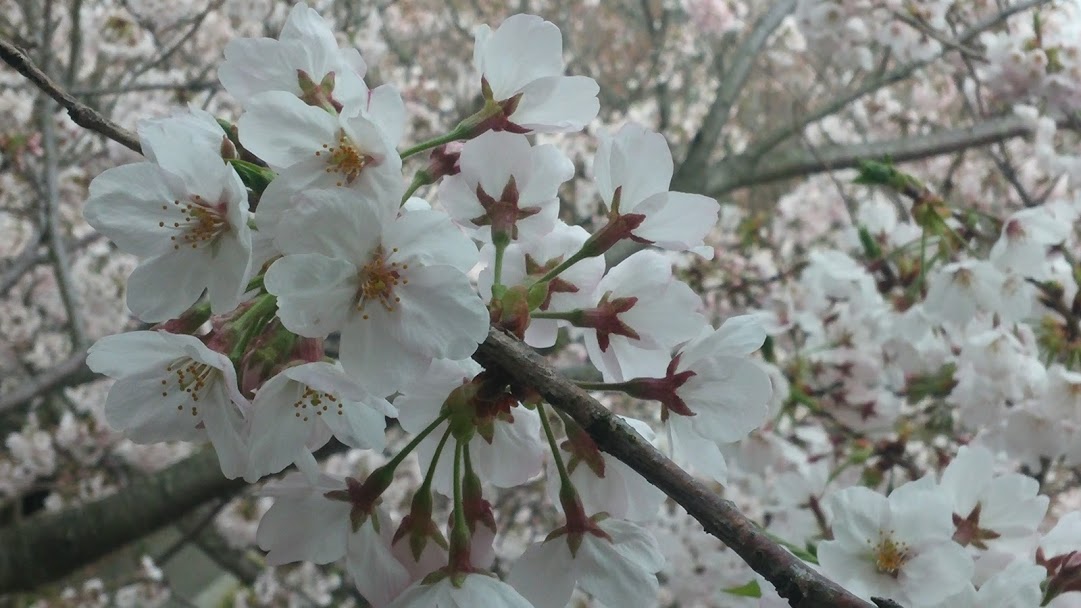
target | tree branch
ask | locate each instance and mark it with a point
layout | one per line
(82, 114)
(57, 245)
(47, 547)
(705, 141)
(50, 546)
(761, 146)
(748, 170)
(71, 371)
(794, 580)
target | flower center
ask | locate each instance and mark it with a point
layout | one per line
(890, 555)
(378, 280)
(345, 159)
(200, 222)
(188, 376)
(318, 400)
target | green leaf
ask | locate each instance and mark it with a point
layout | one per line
(874, 173)
(256, 178)
(751, 589)
(870, 246)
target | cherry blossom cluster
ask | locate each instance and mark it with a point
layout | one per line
(917, 350)
(296, 223)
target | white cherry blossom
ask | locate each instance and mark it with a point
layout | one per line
(1016, 586)
(475, 589)
(616, 564)
(299, 409)
(507, 453)
(311, 148)
(187, 218)
(506, 185)
(989, 507)
(172, 387)
(898, 547)
(306, 42)
(523, 59)
(524, 262)
(640, 313)
(394, 285)
(306, 525)
(713, 381)
(620, 492)
(633, 171)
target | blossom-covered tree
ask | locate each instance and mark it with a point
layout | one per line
(710, 303)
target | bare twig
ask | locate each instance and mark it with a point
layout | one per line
(69, 372)
(57, 245)
(82, 114)
(23, 262)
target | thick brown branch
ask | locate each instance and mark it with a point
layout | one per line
(82, 114)
(794, 580)
(47, 547)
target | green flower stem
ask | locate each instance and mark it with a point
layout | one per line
(400, 456)
(612, 387)
(569, 315)
(460, 534)
(255, 283)
(426, 487)
(578, 256)
(420, 179)
(460, 132)
(565, 482)
(497, 268)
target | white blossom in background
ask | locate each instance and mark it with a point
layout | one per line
(306, 43)
(958, 291)
(1026, 237)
